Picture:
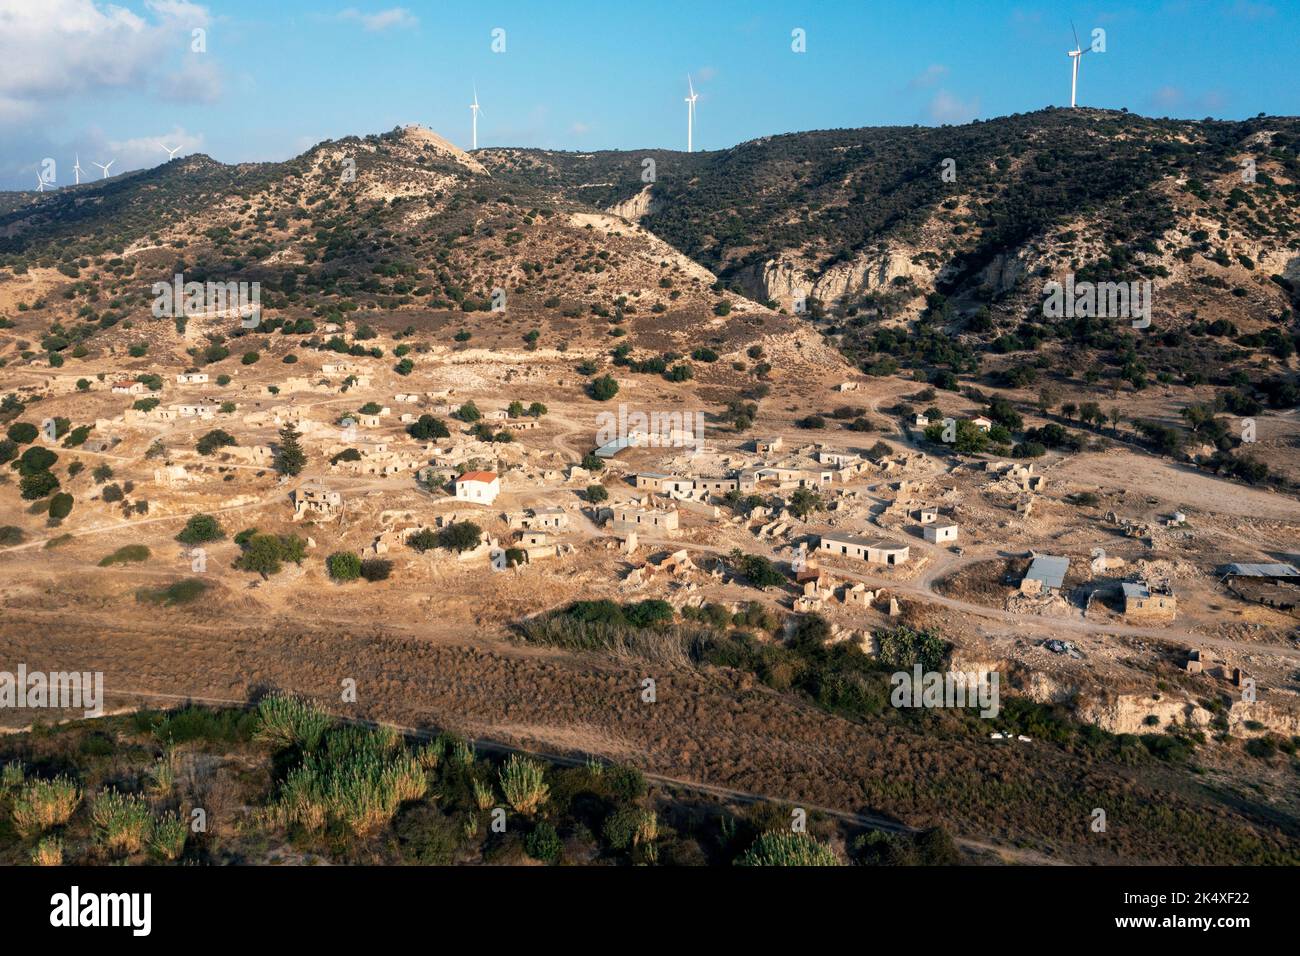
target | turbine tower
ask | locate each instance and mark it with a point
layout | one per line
(76, 169)
(40, 183)
(474, 109)
(1075, 55)
(171, 153)
(690, 113)
(104, 167)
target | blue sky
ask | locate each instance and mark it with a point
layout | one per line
(83, 76)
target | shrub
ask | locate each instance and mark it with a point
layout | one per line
(543, 843)
(460, 536)
(776, 848)
(168, 840)
(426, 539)
(201, 528)
(22, 433)
(358, 779)
(629, 827)
(122, 821)
(183, 591)
(48, 852)
(901, 648)
(603, 388)
(125, 554)
(42, 804)
(287, 721)
(523, 784)
(37, 485)
(376, 569)
(213, 440)
(344, 565)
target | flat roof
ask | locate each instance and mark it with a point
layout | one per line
(1048, 568)
(1135, 589)
(876, 544)
(1264, 570)
(610, 449)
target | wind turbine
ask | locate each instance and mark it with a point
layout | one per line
(104, 167)
(474, 109)
(690, 112)
(77, 169)
(40, 188)
(1075, 55)
(171, 153)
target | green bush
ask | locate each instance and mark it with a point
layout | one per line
(199, 529)
(543, 843)
(125, 554)
(122, 821)
(42, 804)
(523, 784)
(629, 827)
(344, 565)
(287, 721)
(776, 848)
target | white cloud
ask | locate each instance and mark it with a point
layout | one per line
(1168, 97)
(947, 108)
(580, 128)
(380, 20)
(61, 48)
(930, 77)
(145, 151)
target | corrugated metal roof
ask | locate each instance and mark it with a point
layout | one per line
(1264, 570)
(1048, 568)
(610, 449)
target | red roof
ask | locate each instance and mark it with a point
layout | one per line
(484, 476)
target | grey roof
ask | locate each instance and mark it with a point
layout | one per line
(1135, 589)
(875, 544)
(1264, 570)
(610, 449)
(1048, 568)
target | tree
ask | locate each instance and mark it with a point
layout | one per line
(757, 570)
(213, 440)
(36, 459)
(428, 427)
(344, 565)
(201, 528)
(804, 502)
(37, 484)
(290, 458)
(460, 536)
(60, 506)
(596, 494)
(603, 388)
(376, 569)
(262, 555)
(423, 540)
(22, 433)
